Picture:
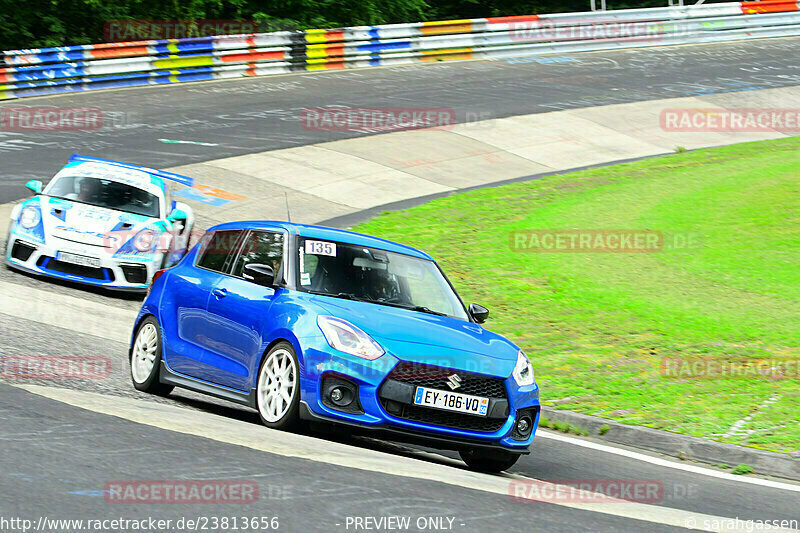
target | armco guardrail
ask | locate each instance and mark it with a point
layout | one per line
(79, 68)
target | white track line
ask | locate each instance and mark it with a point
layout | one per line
(667, 463)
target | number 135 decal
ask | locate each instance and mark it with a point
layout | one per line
(321, 248)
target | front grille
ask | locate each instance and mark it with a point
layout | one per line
(437, 417)
(21, 250)
(134, 273)
(49, 263)
(435, 377)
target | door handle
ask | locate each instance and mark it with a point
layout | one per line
(220, 293)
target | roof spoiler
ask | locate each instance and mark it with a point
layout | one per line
(184, 180)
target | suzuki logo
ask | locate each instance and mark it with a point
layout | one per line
(454, 381)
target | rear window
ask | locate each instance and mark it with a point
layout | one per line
(217, 246)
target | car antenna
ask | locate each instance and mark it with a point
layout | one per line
(288, 215)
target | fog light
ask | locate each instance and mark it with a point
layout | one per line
(337, 395)
(526, 420)
(340, 394)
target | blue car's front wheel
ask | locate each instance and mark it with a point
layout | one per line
(278, 388)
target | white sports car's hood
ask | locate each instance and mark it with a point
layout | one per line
(90, 225)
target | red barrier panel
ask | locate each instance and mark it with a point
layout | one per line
(252, 55)
(107, 53)
(507, 20)
(768, 6)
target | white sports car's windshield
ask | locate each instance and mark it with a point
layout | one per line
(105, 193)
(373, 275)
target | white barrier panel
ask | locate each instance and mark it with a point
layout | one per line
(79, 68)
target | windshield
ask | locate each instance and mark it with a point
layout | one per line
(105, 193)
(373, 275)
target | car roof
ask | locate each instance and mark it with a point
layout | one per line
(325, 233)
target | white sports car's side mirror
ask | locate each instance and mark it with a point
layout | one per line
(35, 186)
(177, 214)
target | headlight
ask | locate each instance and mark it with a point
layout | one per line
(345, 337)
(144, 240)
(29, 217)
(523, 372)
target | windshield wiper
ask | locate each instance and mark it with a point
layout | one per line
(412, 307)
(423, 309)
(345, 295)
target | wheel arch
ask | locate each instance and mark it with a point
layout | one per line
(283, 335)
(136, 327)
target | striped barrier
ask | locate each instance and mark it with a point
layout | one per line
(36, 72)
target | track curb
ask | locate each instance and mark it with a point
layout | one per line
(684, 447)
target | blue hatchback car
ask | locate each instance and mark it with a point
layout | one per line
(311, 323)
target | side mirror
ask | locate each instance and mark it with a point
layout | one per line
(479, 313)
(177, 214)
(35, 186)
(259, 274)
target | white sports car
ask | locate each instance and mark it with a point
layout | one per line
(102, 223)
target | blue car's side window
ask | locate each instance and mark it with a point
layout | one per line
(217, 248)
(261, 247)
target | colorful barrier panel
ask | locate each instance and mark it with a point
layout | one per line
(36, 72)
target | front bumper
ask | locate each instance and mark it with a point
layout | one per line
(377, 394)
(114, 273)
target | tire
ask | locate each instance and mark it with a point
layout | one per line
(278, 388)
(492, 462)
(146, 358)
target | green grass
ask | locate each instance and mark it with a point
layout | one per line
(598, 325)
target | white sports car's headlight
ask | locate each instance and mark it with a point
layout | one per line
(345, 337)
(144, 240)
(29, 217)
(523, 372)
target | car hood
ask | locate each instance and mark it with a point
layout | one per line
(88, 224)
(425, 338)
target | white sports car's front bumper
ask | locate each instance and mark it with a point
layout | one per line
(105, 269)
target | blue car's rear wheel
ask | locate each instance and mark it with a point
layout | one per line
(278, 388)
(146, 358)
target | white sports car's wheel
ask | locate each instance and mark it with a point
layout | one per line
(146, 358)
(278, 388)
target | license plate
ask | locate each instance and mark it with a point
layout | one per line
(451, 401)
(75, 259)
